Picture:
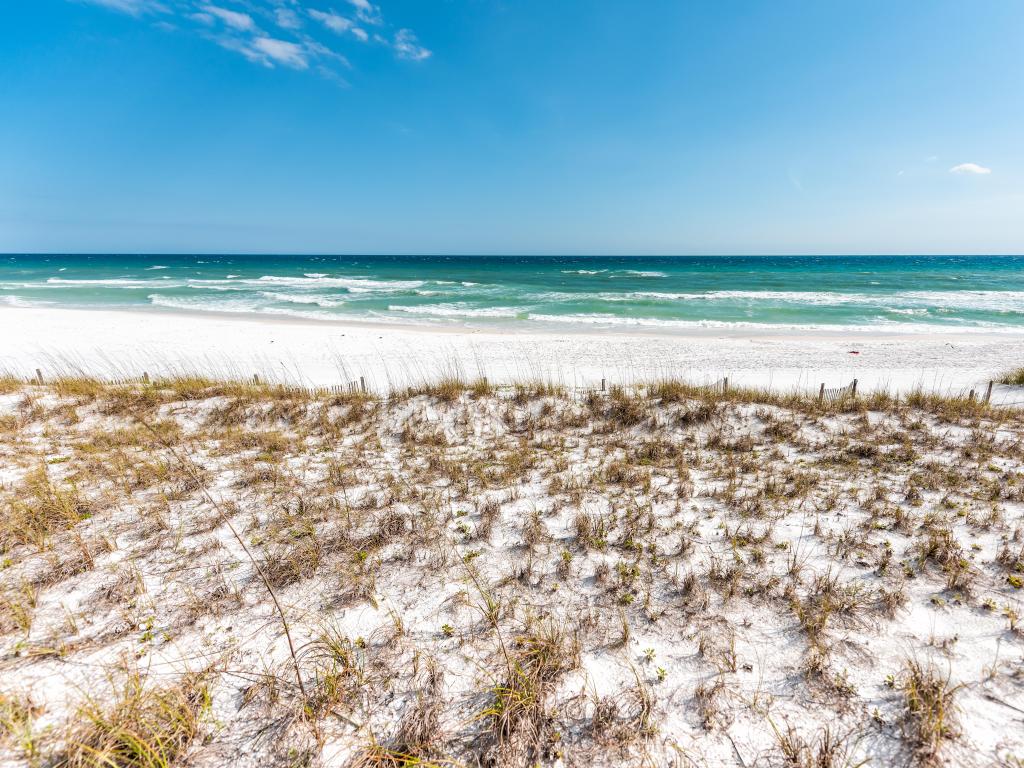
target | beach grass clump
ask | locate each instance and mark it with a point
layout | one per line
(137, 726)
(378, 756)
(828, 748)
(10, 383)
(418, 740)
(930, 710)
(17, 607)
(41, 509)
(1014, 378)
(447, 388)
(78, 387)
(17, 725)
(518, 719)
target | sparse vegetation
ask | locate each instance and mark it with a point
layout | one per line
(1014, 377)
(207, 573)
(930, 716)
(141, 726)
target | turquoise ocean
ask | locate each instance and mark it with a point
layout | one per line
(879, 293)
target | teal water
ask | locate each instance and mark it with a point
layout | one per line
(857, 292)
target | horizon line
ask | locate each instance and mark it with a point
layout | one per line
(503, 254)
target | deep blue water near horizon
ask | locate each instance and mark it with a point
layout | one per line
(904, 293)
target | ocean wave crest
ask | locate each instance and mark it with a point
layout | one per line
(353, 284)
(327, 302)
(122, 282)
(458, 310)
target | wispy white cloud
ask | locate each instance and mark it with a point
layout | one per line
(131, 7)
(340, 24)
(972, 169)
(407, 46)
(287, 18)
(278, 32)
(268, 51)
(235, 19)
(333, 21)
(282, 52)
(367, 12)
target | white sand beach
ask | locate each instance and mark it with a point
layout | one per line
(125, 343)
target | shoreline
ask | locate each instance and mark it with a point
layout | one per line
(125, 342)
(764, 331)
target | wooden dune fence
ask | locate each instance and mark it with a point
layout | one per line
(719, 387)
(836, 394)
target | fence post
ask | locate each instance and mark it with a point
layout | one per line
(970, 396)
(256, 379)
(854, 390)
(725, 385)
(821, 392)
(39, 376)
(602, 385)
(362, 384)
(988, 393)
(145, 377)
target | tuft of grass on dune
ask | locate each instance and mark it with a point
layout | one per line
(138, 726)
(41, 509)
(930, 714)
(79, 387)
(9, 383)
(1013, 378)
(17, 725)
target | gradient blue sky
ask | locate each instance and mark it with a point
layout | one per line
(514, 126)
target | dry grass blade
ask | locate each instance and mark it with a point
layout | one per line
(139, 727)
(1014, 378)
(17, 717)
(42, 509)
(518, 718)
(930, 716)
(189, 468)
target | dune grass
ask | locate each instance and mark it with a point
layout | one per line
(471, 574)
(1014, 377)
(141, 726)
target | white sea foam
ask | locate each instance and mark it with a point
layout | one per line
(991, 301)
(120, 282)
(301, 298)
(907, 311)
(9, 286)
(353, 284)
(218, 285)
(204, 304)
(157, 266)
(879, 325)
(18, 301)
(458, 310)
(1005, 301)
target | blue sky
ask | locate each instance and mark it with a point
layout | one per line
(512, 126)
